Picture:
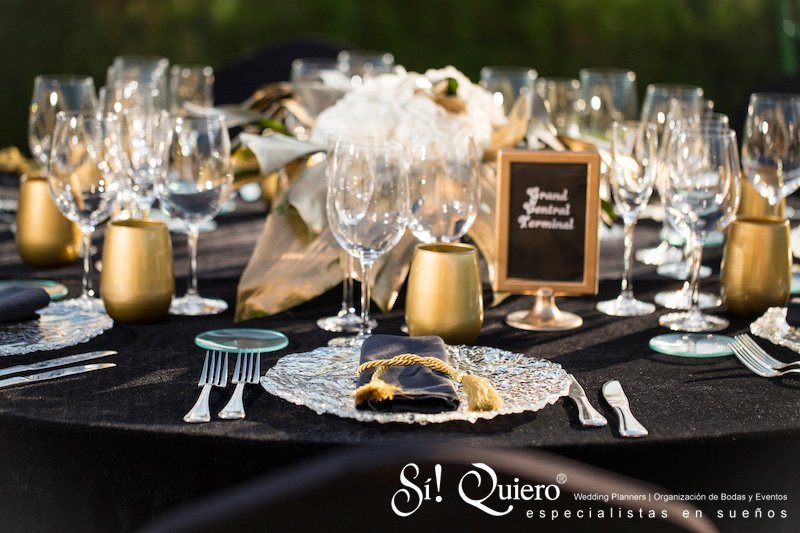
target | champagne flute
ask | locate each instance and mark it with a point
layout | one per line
(633, 172)
(198, 179)
(702, 196)
(367, 205)
(83, 175)
(658, 101)
(52, 94)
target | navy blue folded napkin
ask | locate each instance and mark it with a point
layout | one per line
(793, 313)
(420, 389)
(21, 302)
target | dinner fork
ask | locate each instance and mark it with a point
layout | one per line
(214, 374)
(762, 355)
(249, 372)
(745, 355)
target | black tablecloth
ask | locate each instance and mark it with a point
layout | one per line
(108, 451)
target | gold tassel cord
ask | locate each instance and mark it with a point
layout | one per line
(481, 396)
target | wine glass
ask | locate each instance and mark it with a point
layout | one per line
(633, 173)
(771, 144)
(318, 82)
(507, 84)
(198, 179)
(702, 195)
(52, 94)
(83, 175)
(364, 64)
(559, 98)
(658, 100)
(137, 81)
(367, 206)
(607, 95)
(144, 143)
(190, 83)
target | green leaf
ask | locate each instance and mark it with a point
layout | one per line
(452, 87)
(274, 125)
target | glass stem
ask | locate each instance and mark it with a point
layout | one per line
(696, 261)
(366, 296)
(191, 240)
(627, 259)
(87, 292)
(348, 307)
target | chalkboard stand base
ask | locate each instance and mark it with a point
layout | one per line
(544, 316)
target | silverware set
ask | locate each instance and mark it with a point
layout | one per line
(758, 361)
(52, 363)
(215, 374)
(615, 397)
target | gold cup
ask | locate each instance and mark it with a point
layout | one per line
(752, 204)
(137, 283)
(45, 238)
(756, 265)
(444, 295)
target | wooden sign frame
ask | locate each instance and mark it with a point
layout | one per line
(589, 282)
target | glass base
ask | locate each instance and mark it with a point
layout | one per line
(692, 345)
(195, 305)
(660, 255)
(343, 323)
(91, 303)
(692, 322)
(681, 271)
(625, 306)
(681, 299)
(348, 342)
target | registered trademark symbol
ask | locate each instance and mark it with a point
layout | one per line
(561, 478)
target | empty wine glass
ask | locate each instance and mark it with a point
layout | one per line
(771, 144)
(702, 195)
(51, 95)
(192, 84)
(360, 65)
(559, 98)
(367, 206)
(444, 187)
(83, 175)
(658, 100)
(197, 182)
(137, 81)
(507, 84)
(607, 95)
(633, 172)
(318, 82)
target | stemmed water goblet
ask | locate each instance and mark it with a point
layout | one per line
(83, 175)
(632, 175)
(197, 182)
(659, 100)
(702, 196)
(367, 206)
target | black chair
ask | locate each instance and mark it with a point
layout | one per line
(356, 489)
(237, 80)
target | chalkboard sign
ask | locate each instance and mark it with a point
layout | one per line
(547, 213)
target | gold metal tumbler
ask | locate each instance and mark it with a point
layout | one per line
(137, 282)
(444, 295)
(756, 265)
(45, 238)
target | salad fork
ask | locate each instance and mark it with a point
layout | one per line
(745, 355)
(249, 372)
(762, 355)
(214, 374)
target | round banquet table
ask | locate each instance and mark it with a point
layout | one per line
(108, 451)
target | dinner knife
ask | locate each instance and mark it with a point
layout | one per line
(587, 414)
(628, 425)
(52, 374)
(60, 361)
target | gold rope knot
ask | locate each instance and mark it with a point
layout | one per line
(481, 396)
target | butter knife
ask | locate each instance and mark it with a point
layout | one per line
(628, 425)
(53, 374)
(587, 414)
(60, 361)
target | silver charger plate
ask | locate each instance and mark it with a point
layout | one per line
(773, 327)
(59, 325)
(324, 380)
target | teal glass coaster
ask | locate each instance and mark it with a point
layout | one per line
(692, 344)
(56, 290)
(242, 340)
